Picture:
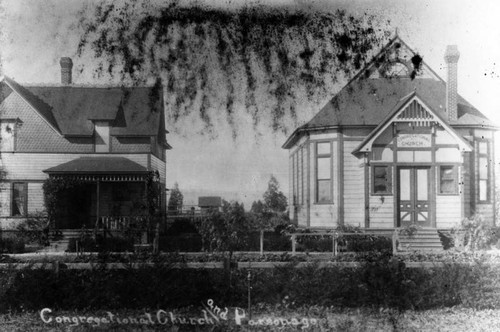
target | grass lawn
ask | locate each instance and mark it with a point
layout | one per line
(301, 319)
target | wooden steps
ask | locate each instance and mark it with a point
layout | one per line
(422, 240)
(61, 245)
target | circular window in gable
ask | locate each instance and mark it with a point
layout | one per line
(395, 69)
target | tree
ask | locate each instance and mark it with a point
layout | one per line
(300, 54)
(226, 230)
(257, 207)
(176, 199)
(274, 200)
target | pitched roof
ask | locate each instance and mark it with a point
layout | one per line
(42, 108)
(400, 107)
(134, 111)
(365, 101)
(98, 165)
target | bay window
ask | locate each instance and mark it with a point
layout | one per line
(324, 172)
(484, 172)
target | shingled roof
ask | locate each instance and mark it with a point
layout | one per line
(134, 111)
(98, 165)
(365, 101)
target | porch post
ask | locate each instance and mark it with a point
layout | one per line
(97, 202)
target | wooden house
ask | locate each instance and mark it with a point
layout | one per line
(397, 146)
(209, 203)
(110, 138)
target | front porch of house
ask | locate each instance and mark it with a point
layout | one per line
(103, 193)
(98, 202)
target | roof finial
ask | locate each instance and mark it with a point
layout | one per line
(396, 32)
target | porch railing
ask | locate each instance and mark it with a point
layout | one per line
(119, 223)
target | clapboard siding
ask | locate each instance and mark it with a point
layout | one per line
(5, 192)
(381, 211)
(312, 183)
(448, 211)
(354, 205)
(336, 180)
(467, 194)
(130, 144)
(323, 215)
(291, 212)
(158, 165)
(30, 166)
(35, 197)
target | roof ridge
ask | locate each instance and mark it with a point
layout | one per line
(83, 85)
(44, 112)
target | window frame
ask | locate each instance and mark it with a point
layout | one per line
(455, 179)
(302, 171)
(13, 140)
(318, 156)
(390, 182)
(294, 179)
(488, 173)
(13, 203)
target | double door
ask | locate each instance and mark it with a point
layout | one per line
(414, 203)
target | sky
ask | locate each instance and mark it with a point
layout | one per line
(35, 34)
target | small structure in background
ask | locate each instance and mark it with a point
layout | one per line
(209, 203)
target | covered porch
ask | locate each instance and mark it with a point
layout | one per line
(108, 193)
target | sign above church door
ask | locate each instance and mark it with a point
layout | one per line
(414, 140)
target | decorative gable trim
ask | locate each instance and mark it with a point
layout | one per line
(411, 109)
(15, 89)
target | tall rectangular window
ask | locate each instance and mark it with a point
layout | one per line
(19, 204)
(294, 180)
(448, 180)
(303, 157)
(382, 180)
(299, 174)
(484, 172)
(324, 172)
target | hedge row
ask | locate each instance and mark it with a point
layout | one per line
(385, 282)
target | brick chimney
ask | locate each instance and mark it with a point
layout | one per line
(66, 67)
(451, 57)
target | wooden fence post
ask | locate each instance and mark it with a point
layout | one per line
(293, 244)
(261, 242)
(394, 242)
(334, 244)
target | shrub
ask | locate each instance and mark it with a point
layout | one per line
(88, 243)
(187, 242)
(447, 239)
(12, 245)
(363, 243)
(382, 281)
(313, 243)
(35, 229)
(475, 234)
